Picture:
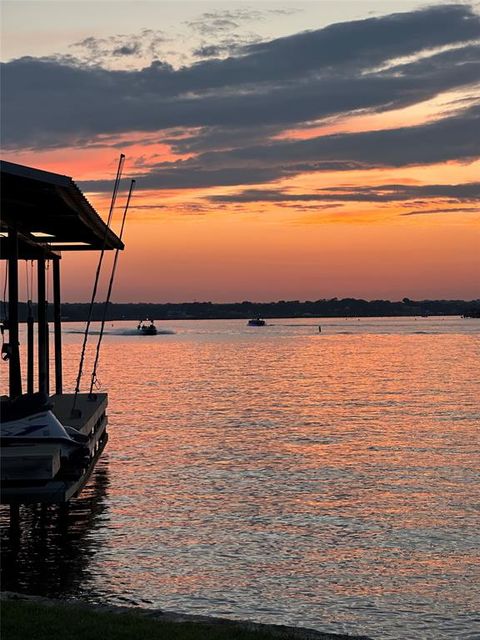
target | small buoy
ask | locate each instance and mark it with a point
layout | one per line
(319, 329)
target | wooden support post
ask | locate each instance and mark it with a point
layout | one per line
(14, 519)
(42, 328)
(47, 352)
(57, 312)
(30, 351)
(15, 377)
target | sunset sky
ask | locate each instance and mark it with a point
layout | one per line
(282, 150)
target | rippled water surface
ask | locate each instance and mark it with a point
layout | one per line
(277, 473)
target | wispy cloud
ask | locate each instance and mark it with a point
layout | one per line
(148, 44)
(211, 23)
(421, 212)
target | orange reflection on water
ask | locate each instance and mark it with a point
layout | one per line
(328, 480)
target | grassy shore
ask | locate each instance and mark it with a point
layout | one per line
(21, 620)
(49, 620)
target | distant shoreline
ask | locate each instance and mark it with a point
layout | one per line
(331, 308)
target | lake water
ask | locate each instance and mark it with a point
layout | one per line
(328, 480)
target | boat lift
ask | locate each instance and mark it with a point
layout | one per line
(44, 215)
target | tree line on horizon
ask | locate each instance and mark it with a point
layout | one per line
(332, 307)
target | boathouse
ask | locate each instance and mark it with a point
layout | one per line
(45, 215)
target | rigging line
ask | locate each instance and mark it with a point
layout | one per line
(47, 269)
(31, 277)
(4, 315)
(97, 275)
(5, 349)
(110, 285)
(27, 282)
(4, 299)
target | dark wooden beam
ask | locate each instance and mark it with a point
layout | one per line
(28, 248)
(30, 351)
(42, 328)
(57, 315)
(15, 376)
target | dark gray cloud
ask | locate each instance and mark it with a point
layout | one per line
(220, 138)
(226, 46)
(465, 192)
(172, 176)
(232, 107)
(48, 103)
(127, 50)
(453, 138)
(211, 50)
(368, 43)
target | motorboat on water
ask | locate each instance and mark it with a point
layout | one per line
(146, 329)
(256, 322)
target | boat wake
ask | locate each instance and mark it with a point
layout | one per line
(425, 333)
(120, 332)
(278, 324)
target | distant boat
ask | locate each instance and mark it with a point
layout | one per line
(256, 322)
(146, 329)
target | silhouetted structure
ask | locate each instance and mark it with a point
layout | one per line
(44, 214)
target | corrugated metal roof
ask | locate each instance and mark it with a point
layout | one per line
(41, 202)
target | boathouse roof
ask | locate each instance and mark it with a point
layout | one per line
(50, 212)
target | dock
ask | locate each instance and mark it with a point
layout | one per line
(44, 216)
